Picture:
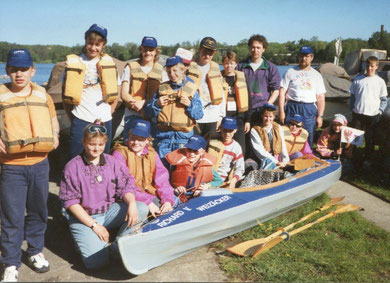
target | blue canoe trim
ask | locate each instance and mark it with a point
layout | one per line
(204, 206)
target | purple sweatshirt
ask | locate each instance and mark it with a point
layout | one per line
(95, 188)
(160, 181)
(260, 82)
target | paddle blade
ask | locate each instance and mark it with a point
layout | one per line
(268, 245)
(246, 248)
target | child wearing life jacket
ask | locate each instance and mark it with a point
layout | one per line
(91, 184)
(192, 169)
(145, 166)
(140, 81)
(267, 138)
(296, 138)
(29, 131)
(211, 90)
(230, 160)
(239, 101)
(175, 106)
(91, 88)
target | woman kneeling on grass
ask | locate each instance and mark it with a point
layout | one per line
(90, 185)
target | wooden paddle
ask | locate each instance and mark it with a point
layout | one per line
(248, 247)
(286, 236)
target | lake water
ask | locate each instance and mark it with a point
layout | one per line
(43, 72)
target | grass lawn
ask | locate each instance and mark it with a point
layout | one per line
(345, 248)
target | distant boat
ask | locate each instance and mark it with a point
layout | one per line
(218, 213)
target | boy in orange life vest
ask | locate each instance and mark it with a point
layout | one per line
(192, 168)
(239, 100)
(28, 133)
(296, 137)
(146, 167)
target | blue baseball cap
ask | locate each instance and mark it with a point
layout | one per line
(172, 61)
(19, 58)
(297, 118)
(98, 29)
(305, 50)
(141, 128)
(196, 142)
(269, 106)
(149, 41)
(229, 123)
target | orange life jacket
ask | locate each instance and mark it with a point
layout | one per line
(241, 91)
(75, 76)
(185, 174)
(173, 116)
(214, 83)
(294, 143)
(26, 124)
(144, 86)
(142, 168)
(277, 141)
(194, 73)
(216, 148)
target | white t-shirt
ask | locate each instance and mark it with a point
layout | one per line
(303, 86)
(211, 113)
(92, 106)
(126, 77)
(368, 92)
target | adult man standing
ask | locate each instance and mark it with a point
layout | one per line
(262, 76)
(302, 91)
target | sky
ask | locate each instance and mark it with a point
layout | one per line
(228, 21)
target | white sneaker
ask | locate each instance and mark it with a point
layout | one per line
(10, 274)
(38, 263)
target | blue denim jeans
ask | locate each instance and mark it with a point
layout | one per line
(76, 134)
(94, 252)
(23, 188)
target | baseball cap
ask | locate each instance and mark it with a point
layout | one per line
(196, 142)
(141, 128)
(269, 106)
(149, 41)
(184, 54)
(98, 29)
(172, 61)
(19, 58)
(209, 43)
(297, 118)
(305, 50)
(229, 123)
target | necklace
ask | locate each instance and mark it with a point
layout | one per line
(98, 177)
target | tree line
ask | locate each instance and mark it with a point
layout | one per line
(279, 53)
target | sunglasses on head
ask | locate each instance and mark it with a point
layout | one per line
(296, 125)
(93, 129)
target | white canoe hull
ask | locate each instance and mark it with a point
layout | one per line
(143, 251)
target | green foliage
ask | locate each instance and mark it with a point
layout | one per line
(346, 248)
(279, 53)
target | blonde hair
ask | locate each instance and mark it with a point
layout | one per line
(158, 52)
(88, 135)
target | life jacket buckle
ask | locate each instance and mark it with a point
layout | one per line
(23, 142)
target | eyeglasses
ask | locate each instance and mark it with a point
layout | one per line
(296, 125)
(93, 129)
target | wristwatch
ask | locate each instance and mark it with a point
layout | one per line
(93, 225)
(320, 116)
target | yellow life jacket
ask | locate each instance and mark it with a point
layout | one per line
(294, 143)
(144, 86)
(25, 122)
(214, 83)
(75, 76)
(277, 141)
(194, 73)
(241, 91)
(216, 148)
(173, 116)
(142, 167)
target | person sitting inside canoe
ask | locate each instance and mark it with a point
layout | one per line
(267, 139)
(192, 169)
(91, 185)
(329, 143)
(296, 137)
(146, 167)
(230, 159)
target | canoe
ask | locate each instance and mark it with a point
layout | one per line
(219, 213)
